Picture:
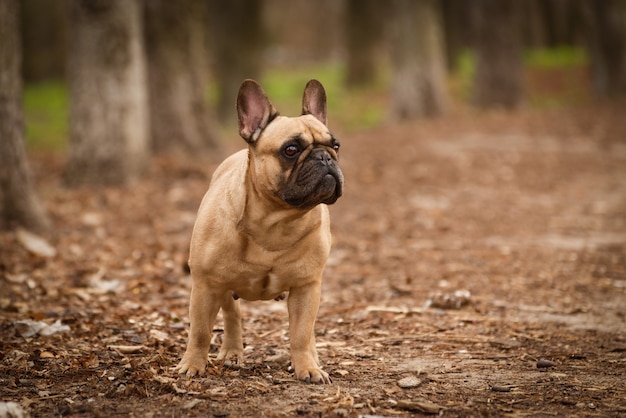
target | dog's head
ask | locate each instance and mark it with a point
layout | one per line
(292, 160)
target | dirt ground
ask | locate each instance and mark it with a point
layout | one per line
(478, 269)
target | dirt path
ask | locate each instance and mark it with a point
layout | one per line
(480, 261)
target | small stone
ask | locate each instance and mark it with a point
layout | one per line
(409, 382)
(456, 300)
(543, 363)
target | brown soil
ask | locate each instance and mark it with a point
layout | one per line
(522, 215)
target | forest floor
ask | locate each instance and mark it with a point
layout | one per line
(478, 269)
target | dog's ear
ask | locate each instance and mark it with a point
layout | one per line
(314, 100)
(254, 110)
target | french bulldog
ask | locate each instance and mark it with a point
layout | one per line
(263, 229)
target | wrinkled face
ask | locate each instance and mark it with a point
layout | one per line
(295, 161)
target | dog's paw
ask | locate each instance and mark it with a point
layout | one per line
(313, 375)
(192, 364)
(230, 356)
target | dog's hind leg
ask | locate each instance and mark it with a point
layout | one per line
(232, 346)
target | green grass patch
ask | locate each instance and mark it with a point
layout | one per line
(284, 86)
(462, 76)
(553, 76)
(46, 115)
(540, 58)
(555, 58)
(352, 109)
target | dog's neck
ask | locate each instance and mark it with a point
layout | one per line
(283, 224)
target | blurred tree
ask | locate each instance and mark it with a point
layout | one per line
(108, 92)
(498, 46)
(457, 29)
(19, 205)
(550, 23)
(303, 30)
(606, 40)
(562, 20)
(44, 39)
(235, 46)
(419, 70)
(363, 23)
(177, 73)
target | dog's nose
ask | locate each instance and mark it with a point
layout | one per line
(322, 156)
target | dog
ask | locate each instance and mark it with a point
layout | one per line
(263, 229)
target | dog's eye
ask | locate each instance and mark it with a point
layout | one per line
(291, 150)
(336, 146)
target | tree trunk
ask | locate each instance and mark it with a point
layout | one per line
(363, 23)
(300, 31)
(108, 92)
(419, 70)
(236, 39)
(560, 18)
(550, 23)
(533, 24)
(457, 32)
(19, 205)
(498, 45)
(606, 40)
(177, 74)
(44, 38)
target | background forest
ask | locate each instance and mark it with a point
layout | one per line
(479, 251)
(111, 83)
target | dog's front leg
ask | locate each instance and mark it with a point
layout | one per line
(303, 304)
(203, 308)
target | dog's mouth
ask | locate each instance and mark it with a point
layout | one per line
(327, 190)
(334, 185)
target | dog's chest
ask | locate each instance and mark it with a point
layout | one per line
(265, 275)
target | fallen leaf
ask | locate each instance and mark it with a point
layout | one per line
(163, 379)
(55, 328)
(98, 285)
(421, 406)
(192, 403)
(178, 390)
(12, 410)
(29, 328)
(35, 244)
(46, 354)
(127, 349)
(91, 219)
(159, 335)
